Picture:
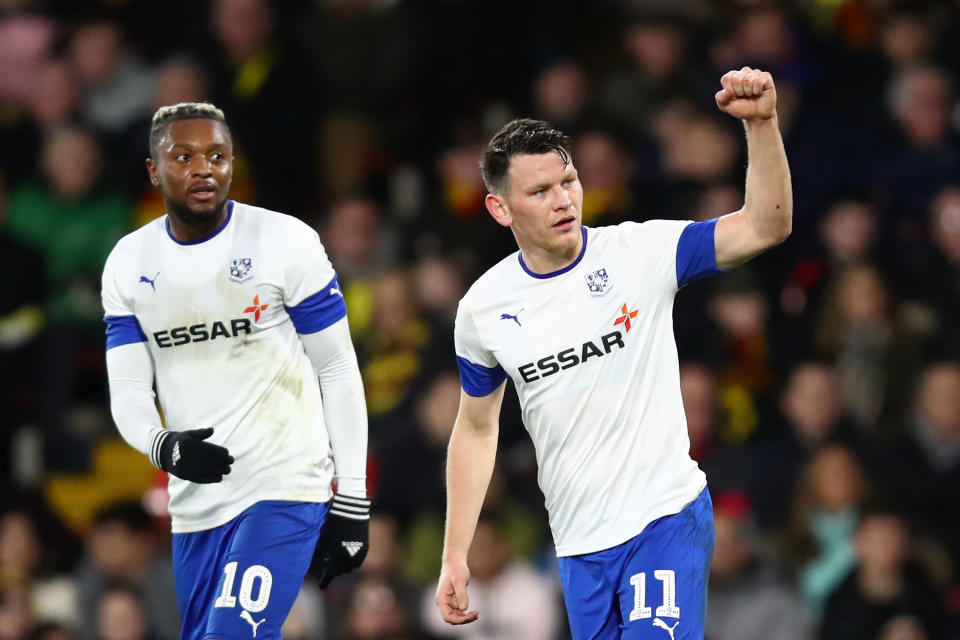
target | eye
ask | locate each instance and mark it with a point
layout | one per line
(183, 157)
(540, 191)
(218, 157)
(568, 181)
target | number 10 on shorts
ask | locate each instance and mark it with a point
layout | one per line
(668, 609)
(247, 601)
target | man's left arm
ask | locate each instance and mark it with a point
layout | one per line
(345, 536)
(766, 218)
(315, 303)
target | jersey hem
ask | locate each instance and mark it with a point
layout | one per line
(579, 550)
(186, 525)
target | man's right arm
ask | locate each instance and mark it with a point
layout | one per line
(130, 375)
(185, 454)
(470, 459)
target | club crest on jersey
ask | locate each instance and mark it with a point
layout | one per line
(598, 282)
(241, 269)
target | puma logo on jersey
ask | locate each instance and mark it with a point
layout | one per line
(335, 291)
(246, 616)
(657, 622)
(152, 283)
(507, 316)
(352, 547)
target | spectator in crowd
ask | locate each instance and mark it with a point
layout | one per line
(561, 94)
(459, 193)
(925, 155)
(903, 627)
(73, 219)
(749, 599)
(823, 520)
(721, 462)
(414, 452)
(811, 417)
(357, 237)
(255, 75)
(907, 36)
(307, 619)
(359, 242)
(26, 558)
(882, 584)
(438, 282)
(375, 612)
(878, 350)
(26, 38)
(607, 170)
(21, 320)
(391, 349)
(934, 279)
(653, 69)
(740, 312)
(115, 85)
(16, 614)
(51, 100)
(121, 615)
(921, 469)
(122, 550)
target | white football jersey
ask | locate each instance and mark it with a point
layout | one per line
(221, 318)
(591, 351)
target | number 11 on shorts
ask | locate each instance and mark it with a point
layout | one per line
(668, 609)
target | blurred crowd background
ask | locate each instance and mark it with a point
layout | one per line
(821, 381)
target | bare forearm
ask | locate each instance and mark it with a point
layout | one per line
(470, 460)
(768, 202)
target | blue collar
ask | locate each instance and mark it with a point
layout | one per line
(220, 228)
(558, 272)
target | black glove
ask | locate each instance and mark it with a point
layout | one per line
(187, 456)
(344, 538)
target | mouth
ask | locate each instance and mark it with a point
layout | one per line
(565, 223)
(203, 192)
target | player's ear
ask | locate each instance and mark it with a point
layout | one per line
(498, 209)
(152, 170)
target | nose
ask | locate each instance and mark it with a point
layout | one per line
(562, 199)
(202, 166)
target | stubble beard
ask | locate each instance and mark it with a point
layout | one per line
(182, 211)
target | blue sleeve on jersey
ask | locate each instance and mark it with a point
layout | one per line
(123, 330)
(696, 252)
(477, 380)
(319, 311)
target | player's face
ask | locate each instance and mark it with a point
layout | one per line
(544, 203)
(193, 168)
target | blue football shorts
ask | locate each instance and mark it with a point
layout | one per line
(653, 586)
(239, 580)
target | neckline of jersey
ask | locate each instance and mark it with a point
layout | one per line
(221, 227)
(558, 272)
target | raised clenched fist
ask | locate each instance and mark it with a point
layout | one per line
(748, 94)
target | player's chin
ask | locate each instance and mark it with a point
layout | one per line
(566, 234)
(201, 207)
